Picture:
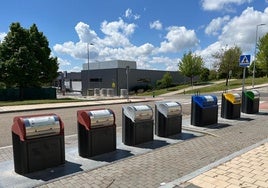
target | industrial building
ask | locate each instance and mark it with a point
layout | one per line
(120, 74)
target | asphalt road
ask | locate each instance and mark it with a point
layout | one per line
(69, 117)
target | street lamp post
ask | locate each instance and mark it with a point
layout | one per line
(127, 72)
(88, 80)
(254, 62)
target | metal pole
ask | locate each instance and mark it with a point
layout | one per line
(88, 68)
(244, 75)
(254, 62)
(127, 71)
(88, 79)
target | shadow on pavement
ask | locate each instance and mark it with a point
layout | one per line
(262, 113)
(245, 119)
(183, 136)
(218, 126)
(52, 173)
(113, 156)
(153, 144)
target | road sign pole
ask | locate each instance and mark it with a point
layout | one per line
(244, 61)
(243, 84)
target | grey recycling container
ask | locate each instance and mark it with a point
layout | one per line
(204, 110)
(38, 142)
(250, 101)
(137, 124)
(168, 118)
(96, 132)
(231, 105)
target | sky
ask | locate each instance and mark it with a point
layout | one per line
(154, 33)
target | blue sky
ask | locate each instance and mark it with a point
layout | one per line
(154, 33)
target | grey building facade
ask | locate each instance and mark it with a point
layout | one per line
(117, 78)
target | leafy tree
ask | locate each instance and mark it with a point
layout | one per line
(259, 72)
(25, 59)
(191, 65)
(204, 76)
(228, 62)
(166, 81)
(213, 75)
(262, 55)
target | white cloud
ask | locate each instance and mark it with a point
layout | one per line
(117, 33)
(207, 53)
(221, 4)
(156, 25)
(116, 44)
(76, 69)
(215, 25)
(85, 33)
(2, 36)
(179, 38)
(63, 62)
(129, 14)
(170, 64)
(239, 31)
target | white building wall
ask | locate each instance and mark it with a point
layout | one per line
(110, 65)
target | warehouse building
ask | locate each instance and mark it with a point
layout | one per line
(120, 74)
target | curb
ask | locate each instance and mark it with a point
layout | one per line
(73, 105)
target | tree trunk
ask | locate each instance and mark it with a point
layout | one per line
(227, 79)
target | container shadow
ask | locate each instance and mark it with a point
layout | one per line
(153, 144)
(218, 126)
(55, 172)
(183, 136)
(245, 119)
(116, 155)
(262, 113)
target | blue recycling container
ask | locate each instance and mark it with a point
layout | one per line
(204, 110)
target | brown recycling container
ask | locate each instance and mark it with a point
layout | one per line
(38, 142)
(96, 132)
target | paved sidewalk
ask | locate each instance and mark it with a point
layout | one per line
(248, 170)
(170, 162)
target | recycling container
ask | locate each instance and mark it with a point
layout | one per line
(168, 118)
(230, 105)
(38, 142)
(250, 101)
(137, 124)
(96, 132)
(204, 110)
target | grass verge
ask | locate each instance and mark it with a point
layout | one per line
(45, 101)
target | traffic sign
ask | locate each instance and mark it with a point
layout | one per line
(244, 60)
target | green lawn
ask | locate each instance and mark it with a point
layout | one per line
(232, 85)
(27, 102)
(210, 88)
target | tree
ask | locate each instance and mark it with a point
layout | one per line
(262, 55)
(25, 59)
(204, 76)
(228, 63)
(165, 82)
(191, 65)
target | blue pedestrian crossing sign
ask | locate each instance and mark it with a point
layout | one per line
(244, 60)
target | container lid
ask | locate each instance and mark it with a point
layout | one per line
(169, 108)
(138, 112)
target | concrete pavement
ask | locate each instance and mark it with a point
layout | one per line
(247, 170)
(182, 161)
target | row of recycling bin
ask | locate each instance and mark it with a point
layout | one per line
(38, 140)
